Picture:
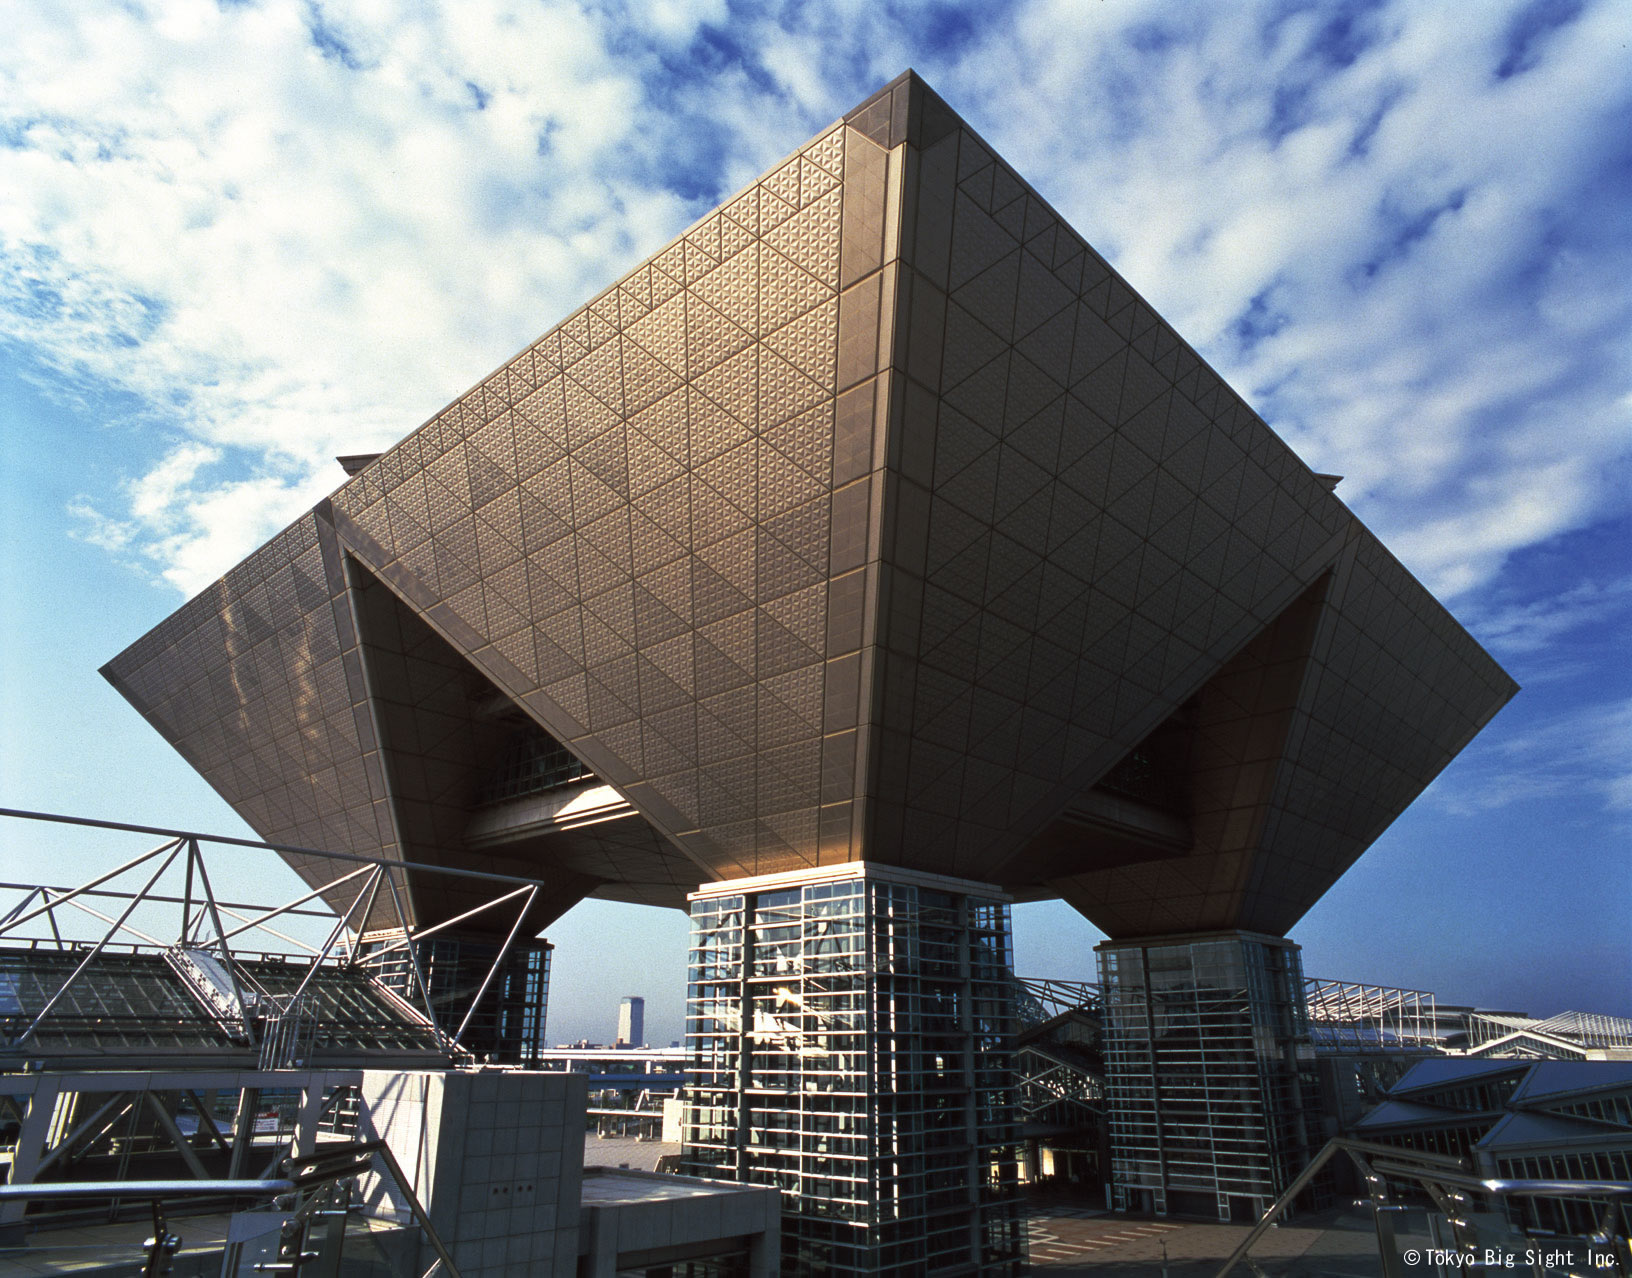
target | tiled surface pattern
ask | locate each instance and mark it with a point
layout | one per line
(258, 682)
(496, 1159)
(1062, 1235)
(1333, 1245)
(875, 517)
(1084, 524)
(630, 524)
(630, 527)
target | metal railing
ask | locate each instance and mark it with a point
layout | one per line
(313, 1193)
(1479, 1242)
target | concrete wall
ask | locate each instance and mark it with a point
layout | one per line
(496, 1159)
(637, 1219)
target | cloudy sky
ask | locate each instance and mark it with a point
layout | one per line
(237, 239)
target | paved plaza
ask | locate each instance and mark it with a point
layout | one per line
(1075, 1240)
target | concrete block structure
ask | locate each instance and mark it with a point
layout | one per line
(875, 520)
(645, 1221)
(495, 1158)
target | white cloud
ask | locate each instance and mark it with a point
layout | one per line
(1441, 313)
(156, 491)
(1583, 753)
(299, 235)
(289, 257)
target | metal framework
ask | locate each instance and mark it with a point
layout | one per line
(186, 984)
(312, 1194)
(1042, 998)
(1478, 1241)
(1056, 1091)
(1058, 1085)
(1587, 1031)
(201, 1124)
(1349, 1016)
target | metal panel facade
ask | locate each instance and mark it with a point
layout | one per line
(874, 518)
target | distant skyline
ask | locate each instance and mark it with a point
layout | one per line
(237, 240)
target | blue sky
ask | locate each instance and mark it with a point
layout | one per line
(238, 239)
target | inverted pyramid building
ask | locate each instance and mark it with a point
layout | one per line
(875, 519)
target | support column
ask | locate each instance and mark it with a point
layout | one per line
(243, 1131)
(1209, 1072)
(32, 1138)
(309, 1115)
(850, 1032)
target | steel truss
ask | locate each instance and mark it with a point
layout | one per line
(1055, 1090)
(1474, 1236)
(72, 1121)
(1587, 1031)
(204, 947)
(1351, 1016)
(313, 1192)
(1056, 1087)
(1041, 999)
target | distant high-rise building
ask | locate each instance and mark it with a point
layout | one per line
(632, 1022)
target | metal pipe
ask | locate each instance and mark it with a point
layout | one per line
(498, 962)
(86, 961)
(1328, 1152)
(151, 896)
(268, 915)
(66, 1144)
(147, 1189)
(431, 1236)
(325, 915)
(206, 1121)
(98, 882)
(134, 931)
(445, 924)
(228, 841)
(171, 1130)
(354, 943)
(34, 889)
(339, 927)
(413, 959)
(194, 854)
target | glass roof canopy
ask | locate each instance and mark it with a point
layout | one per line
(135, 1005)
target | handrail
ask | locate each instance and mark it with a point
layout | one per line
(230, 841)
(1432, 1170)
(148, 1189)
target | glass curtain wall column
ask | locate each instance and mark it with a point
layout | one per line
(850, 1033)
(1210, 1075)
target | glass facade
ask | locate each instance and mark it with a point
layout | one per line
(508, 1025)
(851, 1037)
(535, 763)
(1211, 1089)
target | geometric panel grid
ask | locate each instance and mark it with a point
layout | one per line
(628, 525)
(258, 683)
